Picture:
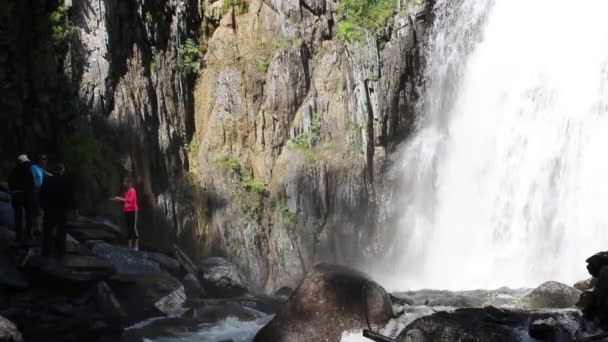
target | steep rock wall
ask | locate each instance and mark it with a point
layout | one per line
(282, 102)
(95, 82)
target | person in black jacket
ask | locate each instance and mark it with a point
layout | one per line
(57, 199)
(21, 186)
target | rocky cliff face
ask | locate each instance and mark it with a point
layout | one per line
(273, 154)
(91, 82)
(293, 129)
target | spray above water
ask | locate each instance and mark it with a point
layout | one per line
(506, 179)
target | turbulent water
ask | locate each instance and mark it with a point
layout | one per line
(506, 180)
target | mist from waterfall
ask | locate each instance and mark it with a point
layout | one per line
(505, 182)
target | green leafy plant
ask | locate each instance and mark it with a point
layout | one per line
(289, 217)
(252, 185)
(189, 56)
(262, 64)
(232, 163)
(308, 138)
(245, 180)
(240, 6)
(361, 16)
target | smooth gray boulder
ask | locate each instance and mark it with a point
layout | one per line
(221, 279)
(552, 295)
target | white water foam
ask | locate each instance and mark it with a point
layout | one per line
(231, 329)
(506, 179)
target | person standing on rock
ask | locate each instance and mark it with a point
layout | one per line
(129, 200)
(57, 199)
(39, 173)
(21, 186)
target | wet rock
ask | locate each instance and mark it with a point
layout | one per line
(7, 217)
(221, 279)
(216, 313)
(170, 264)
(87, 229)
(9, 331)
(55, 313)
(548, 329)
(126, 261)
(550, 295)
(109, 304)
(586, 302)
(284, 292)
(148, 295)
(158, 328)
(192, 287)
(72, 268)
(488, 324)
(10, 275)
(184, 260)
(596, 262)
(330, 300)
(594, 303)
(586, 284)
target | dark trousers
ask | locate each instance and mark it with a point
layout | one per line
(54, 231)
(23, 204)
(131, 222)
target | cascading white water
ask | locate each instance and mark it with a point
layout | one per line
(506, 178)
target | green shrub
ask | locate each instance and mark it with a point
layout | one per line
(360, 16)
(245, 181)
(307, 139)
(189, 56)
(232, 163)
(262, 64)
(240, 6)
(253, 185)
(290, 218)
(60, 27)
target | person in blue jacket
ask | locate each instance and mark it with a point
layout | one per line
(39, 172)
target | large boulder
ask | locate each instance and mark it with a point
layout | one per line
(72, 268)
(90, 229)
(596, 262)
(109, 304)
(586, 284)
(491, 324)
(330, 300)
(192, 287)
(126, 261)
(550, 295)
(148, 295)
(9, 331)
(170, 264)
(221, 279)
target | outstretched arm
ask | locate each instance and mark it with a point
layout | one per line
(118, 199)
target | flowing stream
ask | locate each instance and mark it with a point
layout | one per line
(505, 182)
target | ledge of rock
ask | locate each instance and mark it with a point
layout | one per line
(9, 331)
(330, 300)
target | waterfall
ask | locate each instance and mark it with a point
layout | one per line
(505, 181)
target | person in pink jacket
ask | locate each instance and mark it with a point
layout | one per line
(129, 200)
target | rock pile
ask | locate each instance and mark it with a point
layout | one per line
(99, 288)
(594, 301)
